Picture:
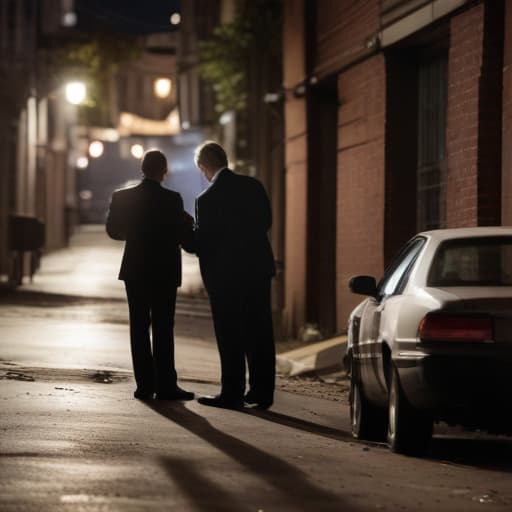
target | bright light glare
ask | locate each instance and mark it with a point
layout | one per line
(85, 195)
(69, 19)
(82, 162)
(175, 18)
(226, 117)
(137, 151)
(75, 92)
(96, 149)
(162, 87)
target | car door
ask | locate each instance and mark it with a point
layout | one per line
(370, 340)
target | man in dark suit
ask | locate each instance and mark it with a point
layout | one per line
(233, 217)
(152, 222)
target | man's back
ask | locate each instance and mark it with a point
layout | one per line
(234, 219)
(150, 219)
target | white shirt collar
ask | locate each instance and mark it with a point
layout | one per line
(216, 175)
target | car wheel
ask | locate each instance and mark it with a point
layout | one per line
(367, 421)
(409, 430)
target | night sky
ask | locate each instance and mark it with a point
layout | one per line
(129, 16)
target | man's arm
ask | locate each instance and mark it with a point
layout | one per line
(186, 230)
(116, 221)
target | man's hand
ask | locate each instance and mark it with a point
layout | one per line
(189, 220)
(187, 235)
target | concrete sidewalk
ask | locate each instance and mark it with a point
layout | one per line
(89, 268)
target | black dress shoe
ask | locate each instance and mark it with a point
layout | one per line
(220, 401)
(142, 394)
(257, 403)
(176, 394)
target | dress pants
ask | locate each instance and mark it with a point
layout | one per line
(152, 304)
(242, 318)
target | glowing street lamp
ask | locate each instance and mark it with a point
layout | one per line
(75, 92)
(162, 87)
(96, 148)
(175, 18)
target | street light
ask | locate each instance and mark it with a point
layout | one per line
(175, 18)
(75, 92)
(96, 148)
(162, 87)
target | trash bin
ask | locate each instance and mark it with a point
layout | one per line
(25, 233)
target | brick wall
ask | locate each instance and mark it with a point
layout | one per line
(361, 163)
(506, 188)
(296, 168)
(474, 117)
(465, 61)
(343, 29)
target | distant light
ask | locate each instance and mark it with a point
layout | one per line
(185, 125)
(174, 120)
(69, 19)
(75, 92)
(137, 151)
(104, 134)
(82, 162)
(96, 149)
(85, 195)
(175, 18)
(226, 117)
(162, 87)
(273, 97)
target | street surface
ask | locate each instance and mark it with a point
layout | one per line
(74, 439)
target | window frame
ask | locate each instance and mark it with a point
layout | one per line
(392, 267)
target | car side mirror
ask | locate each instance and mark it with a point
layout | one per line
(363, 285)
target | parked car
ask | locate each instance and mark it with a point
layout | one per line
(433, 340)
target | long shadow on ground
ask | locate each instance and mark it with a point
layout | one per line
(297, 491)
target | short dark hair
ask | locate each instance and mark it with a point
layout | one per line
(211, 154)
(153, 163)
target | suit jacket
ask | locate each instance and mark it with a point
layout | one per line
(151, 220)
(233, 217)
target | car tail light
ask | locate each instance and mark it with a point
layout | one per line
(446, 327)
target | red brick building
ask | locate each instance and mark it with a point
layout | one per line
(397, 114)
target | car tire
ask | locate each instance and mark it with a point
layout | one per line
(409, 430)
(368, 422)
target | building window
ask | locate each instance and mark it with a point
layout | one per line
(431, 163)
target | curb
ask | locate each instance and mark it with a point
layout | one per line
(317, 357)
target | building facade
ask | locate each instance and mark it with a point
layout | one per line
(397, 116)
(34, 180)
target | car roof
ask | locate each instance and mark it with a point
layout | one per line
(448, 234)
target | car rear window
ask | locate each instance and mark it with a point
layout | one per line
(484, 261)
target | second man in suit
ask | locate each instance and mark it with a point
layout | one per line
(233, 217)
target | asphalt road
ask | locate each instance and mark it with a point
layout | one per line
(73, 438)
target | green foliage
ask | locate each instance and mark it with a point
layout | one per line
(225, 57)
